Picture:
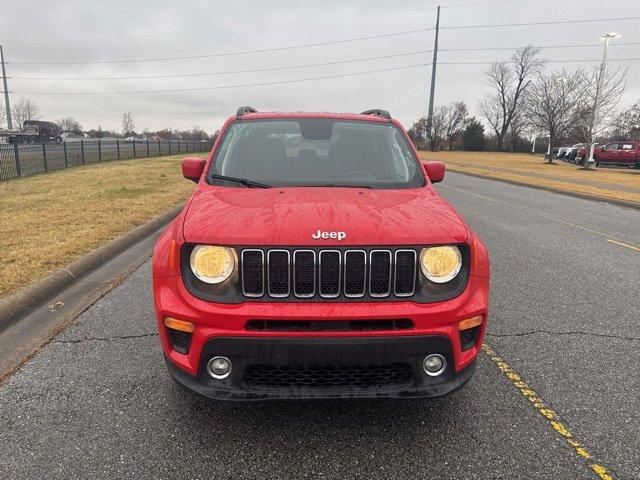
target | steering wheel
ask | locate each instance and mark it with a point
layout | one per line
(357, 175)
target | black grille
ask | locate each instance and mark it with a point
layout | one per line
(468, 337)
(278, 272)
(253, 272)
(329, 273)
(304, 273)
(355, 271)
(346, 274)
(327, 376)
(405, 272)
(328, 325)
(180, 341)
(380, 273)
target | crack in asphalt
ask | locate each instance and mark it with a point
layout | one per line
(107, 339)
(548, 332)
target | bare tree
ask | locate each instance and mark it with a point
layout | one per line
(602, 91)
(626, 125)
(69, 124)
(23, 110)
(508, 83)
(455, 121)
(438, 128)
(417, 131)
(554, 102)
(128, 124)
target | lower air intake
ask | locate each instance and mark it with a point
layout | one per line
(327, 377)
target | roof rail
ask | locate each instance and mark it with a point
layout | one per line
(242, 110)
(377, 112)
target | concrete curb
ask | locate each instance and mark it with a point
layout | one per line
(587, 196)
(15, 306)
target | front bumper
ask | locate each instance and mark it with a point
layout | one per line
(324, 368)
(221, 328)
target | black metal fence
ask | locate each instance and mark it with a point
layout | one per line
(19, 160)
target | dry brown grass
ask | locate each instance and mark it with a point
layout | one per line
(49, 220)
(609, 183)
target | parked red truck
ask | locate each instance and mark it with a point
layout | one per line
(615, 153)
(315, 260)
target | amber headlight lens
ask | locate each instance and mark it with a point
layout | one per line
(212, 264)
(440, 264)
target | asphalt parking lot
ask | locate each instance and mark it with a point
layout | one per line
(563, 341)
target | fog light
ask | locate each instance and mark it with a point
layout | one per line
(219, 367)
(434, 364)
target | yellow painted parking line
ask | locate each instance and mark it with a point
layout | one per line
(624, 245)
(550, 415)
(609, 237)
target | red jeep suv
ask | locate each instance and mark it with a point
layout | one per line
(315, 260)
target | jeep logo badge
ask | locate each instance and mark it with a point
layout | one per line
(325, 235)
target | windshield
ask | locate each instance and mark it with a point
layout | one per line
(317, 152)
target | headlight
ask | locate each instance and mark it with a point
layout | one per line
(440, 264)
(212, 264)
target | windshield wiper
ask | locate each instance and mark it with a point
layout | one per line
(337, 185)
(242, 181)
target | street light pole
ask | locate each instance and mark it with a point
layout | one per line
(549, 149)
(589, 163)
(6, 90)
(533, 146)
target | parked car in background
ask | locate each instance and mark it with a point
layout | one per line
(71, 137)
(572, 152)
(616, 153)
(562, 151)
(35, 131)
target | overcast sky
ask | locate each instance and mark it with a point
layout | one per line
(81, 31)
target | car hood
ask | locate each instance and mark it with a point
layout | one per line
(290, 216)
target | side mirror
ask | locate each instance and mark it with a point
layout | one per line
(192, 168)
(434, 170)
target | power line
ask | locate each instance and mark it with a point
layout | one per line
(220, 87)
(544, 47)
(310, 65)
(299, 80)
(598, 60)
(226, 54)
(234, 27)
(228, 72)
(558, 22)
(255, 26)
(334, 42)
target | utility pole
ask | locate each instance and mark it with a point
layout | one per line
(433, 77)
(589, 163)
(6, 90)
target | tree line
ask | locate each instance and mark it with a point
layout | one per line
(26, 109)
(524, 100)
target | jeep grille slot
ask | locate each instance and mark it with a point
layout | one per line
(379, 273)
(278, 273)
(308, 273)
(355, 273)
(304, 273)
(329, 273)
(405, 280)
(253, 273)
